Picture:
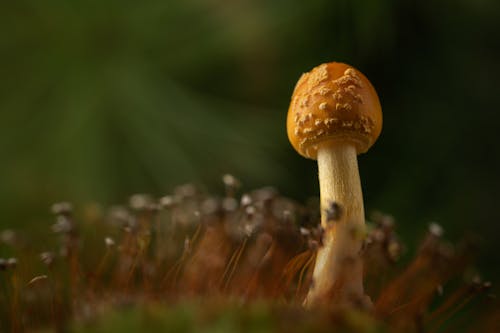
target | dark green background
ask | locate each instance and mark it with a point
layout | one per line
(102, 99)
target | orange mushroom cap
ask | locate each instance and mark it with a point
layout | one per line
(333, 103)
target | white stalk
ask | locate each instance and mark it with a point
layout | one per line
(338, 272)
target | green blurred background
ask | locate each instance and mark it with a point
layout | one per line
(103, 99)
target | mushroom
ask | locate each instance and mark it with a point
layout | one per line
(334, 115)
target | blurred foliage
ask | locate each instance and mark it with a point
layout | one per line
(199, 317)
(99, 100)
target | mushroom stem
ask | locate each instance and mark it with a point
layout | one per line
(338, 272)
